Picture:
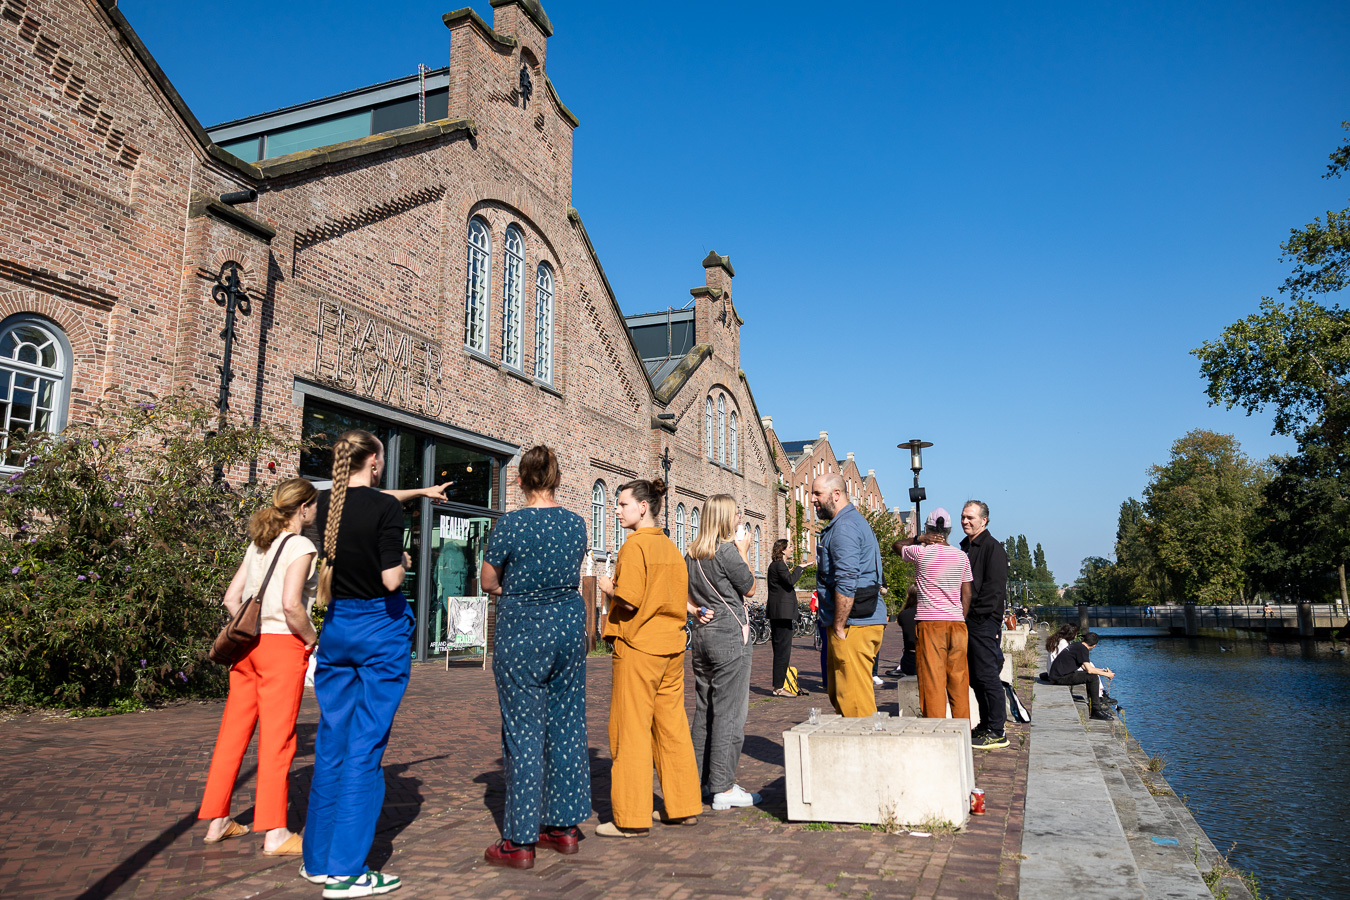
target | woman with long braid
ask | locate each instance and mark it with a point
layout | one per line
(364, 661)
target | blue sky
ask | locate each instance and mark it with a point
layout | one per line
(999, 229)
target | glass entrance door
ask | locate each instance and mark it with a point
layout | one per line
(454, 558)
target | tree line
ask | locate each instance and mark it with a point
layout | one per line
(1215, 526)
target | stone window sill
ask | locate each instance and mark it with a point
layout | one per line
(485, 360)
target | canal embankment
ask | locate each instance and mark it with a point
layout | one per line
(1101, 820)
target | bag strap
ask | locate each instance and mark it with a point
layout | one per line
(718, 595)
(262, 588)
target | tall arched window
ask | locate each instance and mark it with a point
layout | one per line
(598, 516)
(757, 561)
(693, 523)
(722, 428)
(708, 426)
(478, 287)
(543, 323)
(512, 272)
(679, 527)
(34, 378)
(731, 442)
(619, 534)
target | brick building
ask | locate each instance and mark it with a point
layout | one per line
(413, 265)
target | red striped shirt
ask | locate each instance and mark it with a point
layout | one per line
(940, 570)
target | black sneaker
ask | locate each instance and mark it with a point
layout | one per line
(989, 740)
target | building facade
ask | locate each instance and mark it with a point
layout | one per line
(422, 276)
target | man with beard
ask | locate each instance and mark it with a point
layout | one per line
(848, 582)
(984, 625)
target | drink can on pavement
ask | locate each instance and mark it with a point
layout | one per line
(977, 802)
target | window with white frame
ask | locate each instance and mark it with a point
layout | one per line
(598, 516)
(478, 287)
(722, 429)
(731, 441)
(513, 269)
(757, 568)
(34, 378)
(543, 323)
(679, 527)
(708, 425)
(693, 523)
(619, 534)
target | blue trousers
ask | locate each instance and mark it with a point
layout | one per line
(363, 666)
(540, 668)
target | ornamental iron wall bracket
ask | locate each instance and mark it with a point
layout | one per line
(228, 292)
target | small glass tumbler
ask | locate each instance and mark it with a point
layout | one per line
(879, 721)
(813, 717)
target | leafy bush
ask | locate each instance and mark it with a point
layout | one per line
(122, 538)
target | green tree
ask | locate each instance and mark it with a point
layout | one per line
(897, 575)
(1140, 577)
(1043, 589)
(122, 544)
(1196, 509)
(1097, 584)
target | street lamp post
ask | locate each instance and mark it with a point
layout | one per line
(665, 462)
(228, 292)
(916, 494)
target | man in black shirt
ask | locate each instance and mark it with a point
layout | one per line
(1073, 666)
(984, 624)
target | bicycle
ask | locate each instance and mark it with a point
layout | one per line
(759, 626)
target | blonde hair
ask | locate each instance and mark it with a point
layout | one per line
(270, 521)
(717, 527)
(353, 448)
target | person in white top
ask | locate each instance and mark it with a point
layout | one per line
(267, 684)
(1058, 641)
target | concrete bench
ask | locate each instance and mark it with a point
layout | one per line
(913, 770)
(1016, 639)
(907, 696)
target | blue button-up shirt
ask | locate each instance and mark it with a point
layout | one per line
(847, 558)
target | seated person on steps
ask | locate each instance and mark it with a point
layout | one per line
(1073, 666)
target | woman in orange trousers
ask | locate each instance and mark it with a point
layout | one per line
(267, 684)
(648, 601)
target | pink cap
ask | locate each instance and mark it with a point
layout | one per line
(937, 514)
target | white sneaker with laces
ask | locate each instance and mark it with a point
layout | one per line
(737, 796)
(312, 879)
(876, 679)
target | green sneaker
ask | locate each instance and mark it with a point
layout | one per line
(367, 884)
(988, 740)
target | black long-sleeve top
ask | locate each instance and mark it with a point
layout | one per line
(989, 571)
(782, 598)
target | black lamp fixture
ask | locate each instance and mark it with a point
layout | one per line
(228, 291)
(665, 462)
(916, 494)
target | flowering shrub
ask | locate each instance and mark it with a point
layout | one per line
(119, 541)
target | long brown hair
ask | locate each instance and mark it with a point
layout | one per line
(780, 548)
(353, 449)
(270, 521)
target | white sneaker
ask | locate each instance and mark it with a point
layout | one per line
(312, 879)
(365, 885)
(876, 679)
(735, 797)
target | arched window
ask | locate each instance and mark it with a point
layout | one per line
(619, 534)
(679, 527)
(543, 323)
(512, 273)
(708, 426)
(757, 568)
(478, 287)
(722, 429)
(693, 523)
(731, 442)
(598, 516)
(34, 378)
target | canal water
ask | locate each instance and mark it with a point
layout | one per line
(1256, 736)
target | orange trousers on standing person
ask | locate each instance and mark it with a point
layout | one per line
(648, 726)
(265, 690)
(944, 674)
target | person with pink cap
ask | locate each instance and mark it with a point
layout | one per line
(942, 578)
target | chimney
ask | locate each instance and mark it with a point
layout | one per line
(718, 272)
(527, 22)
(824, 435)
(871, 473)
(767, 422)
(850, 456)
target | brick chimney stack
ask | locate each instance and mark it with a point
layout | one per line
(715, 318)
(526, 21)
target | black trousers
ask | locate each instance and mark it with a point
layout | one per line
(1078, 676)
(780, 632)
(984, 658)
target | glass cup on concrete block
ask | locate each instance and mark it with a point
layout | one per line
(813, 717)
(879, 721)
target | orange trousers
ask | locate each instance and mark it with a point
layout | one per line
(944, 676)
(648, 725)
(265, 690)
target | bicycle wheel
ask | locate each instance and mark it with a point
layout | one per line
(762, 632)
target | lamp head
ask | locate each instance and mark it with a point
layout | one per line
(915, 448)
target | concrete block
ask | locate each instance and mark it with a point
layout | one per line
(1006, 675)
(907, 695)
(1014, 640)
(844, 770)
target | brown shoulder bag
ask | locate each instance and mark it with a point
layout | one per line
(241, 633)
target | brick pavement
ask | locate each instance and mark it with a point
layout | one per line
(94, 808)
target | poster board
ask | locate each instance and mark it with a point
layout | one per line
(467, 627)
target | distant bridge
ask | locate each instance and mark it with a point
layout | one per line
(1277, 620)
